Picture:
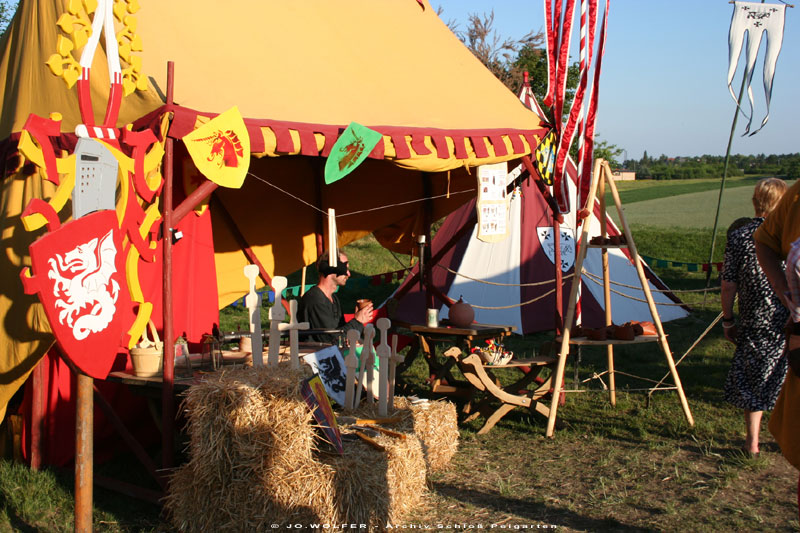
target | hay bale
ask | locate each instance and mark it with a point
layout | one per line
(378, 487)
(254, 462)
(251, 455)
(434, 423)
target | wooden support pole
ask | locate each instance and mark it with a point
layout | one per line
(558, 275)
(193, 200)
(37, 415)
(84, 453)
(167, 390)
(573, 297)
(601, 193)
(427, 215)
(320, 199)
(662, 338)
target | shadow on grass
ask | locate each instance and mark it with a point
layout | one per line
(18, 524)
(535, 512)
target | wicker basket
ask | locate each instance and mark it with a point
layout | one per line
(147, 356)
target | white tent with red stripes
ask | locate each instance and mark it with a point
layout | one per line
(512, 282)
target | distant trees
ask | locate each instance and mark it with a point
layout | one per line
(7, 10)
(509, 58)
(708, 166)
(609, 152)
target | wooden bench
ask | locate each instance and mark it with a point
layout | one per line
(517, 394)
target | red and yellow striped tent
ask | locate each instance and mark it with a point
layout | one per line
(299, 73)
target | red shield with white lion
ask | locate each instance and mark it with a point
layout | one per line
(79, 275)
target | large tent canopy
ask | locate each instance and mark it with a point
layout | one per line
(299, 73)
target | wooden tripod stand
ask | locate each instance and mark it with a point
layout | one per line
(600, 178)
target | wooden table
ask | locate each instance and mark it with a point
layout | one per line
(482, 390)
(183, 379)
(441, 379)
(518, 394)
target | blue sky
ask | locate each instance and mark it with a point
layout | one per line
(663, 86)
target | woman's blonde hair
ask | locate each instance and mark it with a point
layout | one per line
(766, 195)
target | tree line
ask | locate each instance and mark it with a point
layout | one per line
(786, 166)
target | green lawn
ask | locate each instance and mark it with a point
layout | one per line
(639, 191)
(694, 210)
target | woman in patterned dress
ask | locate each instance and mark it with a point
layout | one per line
(758, 368)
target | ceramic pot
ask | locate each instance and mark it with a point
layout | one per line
(461, 314)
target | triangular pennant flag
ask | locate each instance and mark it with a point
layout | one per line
(220, 149)
(351, 148)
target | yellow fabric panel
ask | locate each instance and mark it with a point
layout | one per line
(28, 86)
(322, 62)
(26, 336)
(275, 60)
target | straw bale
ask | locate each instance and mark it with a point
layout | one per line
(435, 423)
(253, 461)
(376, 487)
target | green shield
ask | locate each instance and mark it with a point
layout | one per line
(351, 148)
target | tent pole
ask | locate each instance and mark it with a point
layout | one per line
(601, 194)
(320, 221)
(558, 275)
(167, 391)
(37, 410)
(193, 200)
(425, 248)
(722, 183)
(84, 453)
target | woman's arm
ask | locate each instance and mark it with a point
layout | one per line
(728, 296)
(770, 262)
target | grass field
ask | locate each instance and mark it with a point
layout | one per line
(634, 467)
(694, 210)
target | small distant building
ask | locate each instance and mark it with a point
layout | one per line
(624, 175)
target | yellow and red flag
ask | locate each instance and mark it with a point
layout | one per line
(220, 149)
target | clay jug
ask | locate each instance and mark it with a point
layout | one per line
(461, 314)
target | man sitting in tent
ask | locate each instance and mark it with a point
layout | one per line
(320, 306)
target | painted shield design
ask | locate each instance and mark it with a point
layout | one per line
(547, 241)
(79, 275)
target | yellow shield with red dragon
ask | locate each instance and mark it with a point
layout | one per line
(220, 149)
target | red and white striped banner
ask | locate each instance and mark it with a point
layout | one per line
(585, 170)
(559, 31)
